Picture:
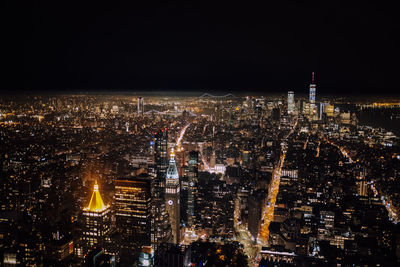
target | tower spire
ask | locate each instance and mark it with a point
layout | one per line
(172, 171)
(312, 78)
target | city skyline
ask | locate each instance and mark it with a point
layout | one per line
(139, 134)
(155, 181)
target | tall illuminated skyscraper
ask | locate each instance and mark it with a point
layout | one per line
(192, 185)
(161, 161)
(313, 88)
(172, 196)
(96, 221)
(291, 104)
(161, 229)
(140, 106)
(133, 203)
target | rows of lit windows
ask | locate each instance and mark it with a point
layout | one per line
(127, 204)
(130, 211)
(171, 190)
(130, 197)
(130, 215)
(96, 214)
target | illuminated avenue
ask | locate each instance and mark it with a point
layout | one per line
(230, 180)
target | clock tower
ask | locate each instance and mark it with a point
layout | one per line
(172, 196)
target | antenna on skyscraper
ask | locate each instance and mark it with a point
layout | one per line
(312, 79)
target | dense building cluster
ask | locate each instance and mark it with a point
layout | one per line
(227, 180)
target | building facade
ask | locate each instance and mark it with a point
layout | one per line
(161, 161)
(172, 198)
(96, 218)
(161, 228)
(312, 97)
(133, 210)
(291, 104)
(192, 185)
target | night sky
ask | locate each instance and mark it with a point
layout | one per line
(199, 47)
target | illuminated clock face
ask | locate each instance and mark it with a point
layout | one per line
(170, 202)
(191, 184)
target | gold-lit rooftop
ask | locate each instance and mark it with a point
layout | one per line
(96, 203)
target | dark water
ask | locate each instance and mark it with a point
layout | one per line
(387, 118)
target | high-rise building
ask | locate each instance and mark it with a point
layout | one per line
(313, 88)
(291, 104)
(326, 224)
(133, 210)
(161, 228)
(305, 108)
(172, 196)
(329, 110)
(96, 222)
(192, 185)
(223, 207)
(322, 109)
(161, 161)
(140, 106)
(362, 188)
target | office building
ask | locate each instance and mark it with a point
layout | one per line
(362, 188)
(140, 106)
(161, 161)
(172, 196)
(160, 226)
(291, 104)
(312, 97)
(192, 185)
(133, 210)
(96, 218)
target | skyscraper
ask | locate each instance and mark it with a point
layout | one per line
(172, 196)
(140, 106)
(133, 200)
(161, 161)
(291, 104)
(312, 90)
(313, 107)
(362, 188)
(322, 109)
(96, 221)
(160, 227)
(192, 185)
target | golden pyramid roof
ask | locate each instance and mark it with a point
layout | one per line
(96, 203)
